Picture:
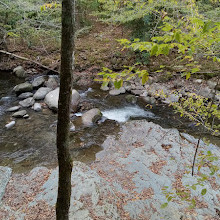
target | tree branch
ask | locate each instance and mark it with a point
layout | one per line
(32, 61)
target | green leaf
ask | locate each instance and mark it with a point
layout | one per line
(177, 37)
(203, 192)
(118, 84)
(169, 199)
(193, 187)
(194, 70)
(144, 78)
(188, 76)
(154, 50)
(163, 206)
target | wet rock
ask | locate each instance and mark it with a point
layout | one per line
(131, 99)
(13, 109)
(104, 88)
(23, 87)
(26, 116)
(92, 116)
(72, 127)
(19, 114)
(85, 106)
(52, 82)
(10, 125)
(39, 81)
(5, 175)
(149, 100)
(37, 107)
(20, 72)
(52, 97)
(25, 95)
(115, 92)
(27, 102)
(41, 93)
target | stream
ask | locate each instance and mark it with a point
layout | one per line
(32, 142)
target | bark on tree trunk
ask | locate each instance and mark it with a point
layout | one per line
(67, 63)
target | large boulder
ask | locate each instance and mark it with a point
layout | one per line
(5, 174)
(20, 72)
(92, 116)
(27, 102)
(38, 81)
(41, 93)
(23, 87)
(52, 97)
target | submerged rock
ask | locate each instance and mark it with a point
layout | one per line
(19, 114)
(23, 87)
(25, 95)
(20, 72)
(131, 99)
(27, 102)
(10, 125)
(92, 116)
(149, 100)
(13, 109)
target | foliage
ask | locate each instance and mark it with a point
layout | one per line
(184, 193)
(127, 74)
(36, 23)
(200, 110)
(190, 37)
(28, 21)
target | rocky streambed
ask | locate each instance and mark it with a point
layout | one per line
(125, 162)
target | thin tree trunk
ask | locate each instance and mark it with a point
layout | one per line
(64, 157)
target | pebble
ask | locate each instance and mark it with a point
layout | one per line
(10, 124)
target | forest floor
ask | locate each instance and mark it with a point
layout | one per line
(97, 47)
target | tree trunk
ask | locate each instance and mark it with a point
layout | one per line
(67, 63)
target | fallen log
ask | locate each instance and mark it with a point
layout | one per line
(32, 61)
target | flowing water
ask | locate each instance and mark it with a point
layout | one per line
(32, 142)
